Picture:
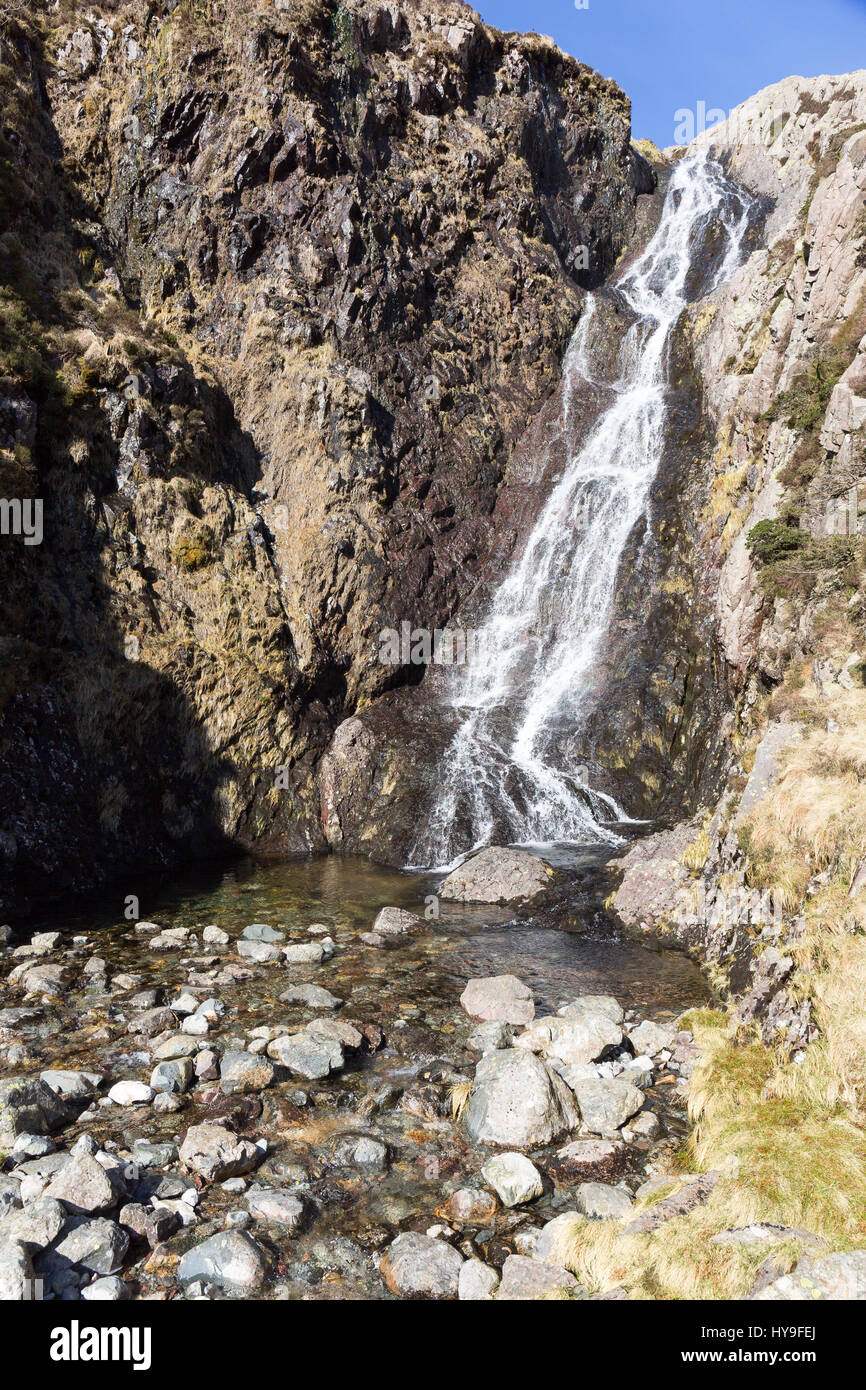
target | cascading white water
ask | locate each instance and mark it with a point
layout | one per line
(506, 775)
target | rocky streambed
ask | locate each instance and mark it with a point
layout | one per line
(326, 1080)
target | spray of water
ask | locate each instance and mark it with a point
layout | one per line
(508, 775)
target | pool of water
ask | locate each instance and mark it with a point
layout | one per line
(400, 1092)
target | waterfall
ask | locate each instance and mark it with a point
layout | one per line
(510, 774)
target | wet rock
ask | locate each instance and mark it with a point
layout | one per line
(172, 939)
(153, 1021)
(258, 951)
(600, 1202)
(477, 1282)
(82, 1185)
(514, 1179)
(497, 876)
(574, 1041)
(606, 1103)
(304, 953)
(307, 1056)
(28, 1106)
(396, 921)
(183, 1004)
(336, 1030)
(525, 1278)
(41, 944)
(243, 1072)
(362, 1152)
(216, 1153)
(131, 1093)
(314, 996)
(288, 1209)
(470, 1206)
(260, 931)
(215, 936)
(646, 1125)
(587, 1152)
(499, 998)
(516, 1100)
(42, 979)
(174, 1076)
(419, 1266)
(232, 1260)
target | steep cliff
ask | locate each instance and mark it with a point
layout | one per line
(781, 356)
(283, 286)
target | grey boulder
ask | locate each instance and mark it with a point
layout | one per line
(516, 1100)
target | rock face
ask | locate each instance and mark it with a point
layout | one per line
(516, 1100)
(278, 428)
(778, 358)
(497, 876)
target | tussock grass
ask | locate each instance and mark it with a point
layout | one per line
(458, 1095)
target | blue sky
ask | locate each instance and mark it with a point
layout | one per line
(671, 54)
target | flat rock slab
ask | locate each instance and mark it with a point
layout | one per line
(419, 1266)
(307, 1056)
(499, 999)
(497, 876)
(314, 996)
(523, 1278)
(601, 1203)
(678, 1204)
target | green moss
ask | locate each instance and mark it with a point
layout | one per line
(771, 541)
(195, 549)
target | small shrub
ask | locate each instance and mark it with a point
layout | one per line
(771, 541)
